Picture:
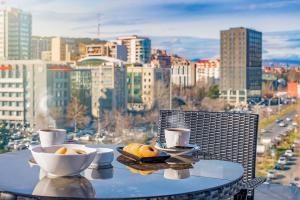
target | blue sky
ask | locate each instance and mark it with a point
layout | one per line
(187, 27)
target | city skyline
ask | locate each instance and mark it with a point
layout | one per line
(202, 22)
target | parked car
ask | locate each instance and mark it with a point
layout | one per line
(278, 138)
(295, 182)
(278, 121)
(282, 160)
(284, 134)
(279, 166)
(263, 130)
(288, 153)
(282, 124)
(293, 147)
(297, 141)
(288, 119)
(271, 174)
(294, 124)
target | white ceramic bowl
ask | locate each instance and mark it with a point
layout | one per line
(104, 157)
(63, 165)
(94, 174)
(68, 187)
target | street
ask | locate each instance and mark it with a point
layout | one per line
(286, 176)
(274, 129)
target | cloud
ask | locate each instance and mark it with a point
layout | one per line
(187, 27)
(282, 45)
(276, 45)
(190, 47)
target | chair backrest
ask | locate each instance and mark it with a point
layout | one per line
(230, 135)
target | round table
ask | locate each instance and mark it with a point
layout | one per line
(204, 177)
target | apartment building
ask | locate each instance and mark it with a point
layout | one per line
(15, 35)
(208, 71)
(58, 49)
(39, 45)
(144, 83)
(138, 49)
(241, 65)
(160, 58)
(109, 49)
(107, 83)
(64, 49)
(183, 74)
(31, 89)
(46, 55)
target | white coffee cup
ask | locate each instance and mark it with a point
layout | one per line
(49, 137)
(177, 137)
(104, 157)
(176, 174)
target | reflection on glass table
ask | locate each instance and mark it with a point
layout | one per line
(72, 187)
(196, 177)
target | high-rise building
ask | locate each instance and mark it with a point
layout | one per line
(15, 35)
(39, 45)
(208, 71)
(147, 86)
(241, 65)
(108, 83)
(138, 49)
(31, 89)
(109, 49)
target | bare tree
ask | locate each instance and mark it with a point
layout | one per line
(176, 90)
(106, 121)
(292, 75)
(76, 114)
(123, 129)
(122, 121)
(213, 104)
(268, 89)
(162, 96)
(298, 112)
(139, 119)
(189, 106)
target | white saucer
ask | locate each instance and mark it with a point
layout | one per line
(182, 151)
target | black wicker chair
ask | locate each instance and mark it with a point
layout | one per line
(232, 136)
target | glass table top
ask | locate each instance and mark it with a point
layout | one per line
(118, 181)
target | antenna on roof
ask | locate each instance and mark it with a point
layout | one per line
(98, 25)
